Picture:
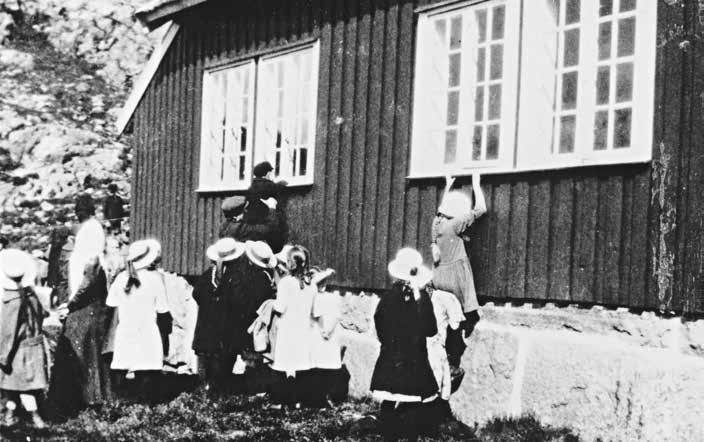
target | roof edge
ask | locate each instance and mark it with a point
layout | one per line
(145, 78)
(156, 15)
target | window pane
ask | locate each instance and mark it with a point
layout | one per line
(479, 104)
(450, 146)
(304, 131)
(626, 35)
(569, 90)
(572, 12)
(601, 130)
(494, 101)
(571, 52)
(606, 7)
(245, 109)
(455, 67)
(243, 138)
(497, 60)
(453, 107)
(492, 142)
(294, 163)
(456, 32)
(622, 128)
(241, 169)
(440, 29)
(627, 5)
(481, 63)
(280, 110)
(624, 82)
(567, 131)
(481, 24)
(477, 143)
(280, 72)
(278, 138)
(304, 161)
(605, 40)
(277, 163)
(497, 24)
(603, 84)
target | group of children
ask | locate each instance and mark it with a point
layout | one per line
(258, 308)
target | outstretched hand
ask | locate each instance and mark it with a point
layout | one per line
(476, 179)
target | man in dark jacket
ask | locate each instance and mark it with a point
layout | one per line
(113, 208)
(232, 211)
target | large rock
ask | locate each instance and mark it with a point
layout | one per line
(17, 59)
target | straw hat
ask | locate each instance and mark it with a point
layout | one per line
(143, 253)
(17, 268)
(455, 204)
(225, 249)
(408, 266)
(260, 254)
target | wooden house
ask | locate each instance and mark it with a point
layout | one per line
(584, 118)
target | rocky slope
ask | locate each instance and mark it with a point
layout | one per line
(66, 68)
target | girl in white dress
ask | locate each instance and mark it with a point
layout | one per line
(294, 304)
(139, 295)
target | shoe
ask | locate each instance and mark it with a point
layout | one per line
(9, 419)
(37, 421)
(456, 377)
(129, 375)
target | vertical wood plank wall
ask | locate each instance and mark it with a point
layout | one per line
(627, 235)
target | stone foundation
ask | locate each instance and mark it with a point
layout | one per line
(606, 374)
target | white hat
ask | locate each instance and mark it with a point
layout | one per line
(455, 204)
(260, 254)
(225, 249)
(143, 253)
(408, 266)
(17, 265)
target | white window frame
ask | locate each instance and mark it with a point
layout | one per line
(426, 129)
(223, 151)
(534, 145)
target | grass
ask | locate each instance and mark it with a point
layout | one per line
(197, 416)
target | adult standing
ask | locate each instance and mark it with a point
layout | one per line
(23, 364)
(81, 375)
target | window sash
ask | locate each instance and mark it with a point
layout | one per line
(286, 113)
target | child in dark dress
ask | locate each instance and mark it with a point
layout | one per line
(403, 380)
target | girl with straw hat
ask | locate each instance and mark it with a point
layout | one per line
(139, 295)
(403, 380)
(214, 292)
(23, 364)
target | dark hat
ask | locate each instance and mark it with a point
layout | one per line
(262, 169)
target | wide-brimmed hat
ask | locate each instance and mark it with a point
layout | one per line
(17, 266)
(455, 204)
(225, 249)
(408, 266)
(260, 254)
(143, 253)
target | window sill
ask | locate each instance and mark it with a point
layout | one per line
(567, 163)
(242, 189)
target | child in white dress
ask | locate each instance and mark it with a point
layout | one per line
(139, 295)
(326, 346)
(293, 352)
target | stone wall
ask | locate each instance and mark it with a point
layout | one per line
(612, 375)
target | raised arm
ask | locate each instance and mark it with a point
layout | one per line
(479, 200)
(449, 181)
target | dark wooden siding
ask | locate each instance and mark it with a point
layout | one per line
(616, 235)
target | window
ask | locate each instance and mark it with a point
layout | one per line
(570, 91)
(279, 92)
(465, 99)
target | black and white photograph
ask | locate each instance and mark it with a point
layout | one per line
(352, 220)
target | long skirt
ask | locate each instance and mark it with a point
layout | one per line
(81, 373)
(458, 279)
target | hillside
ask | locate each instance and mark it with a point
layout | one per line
(66, 68)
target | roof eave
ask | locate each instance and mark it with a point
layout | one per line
(158, 15)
